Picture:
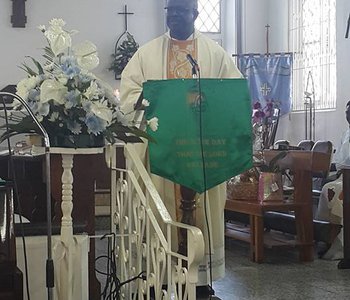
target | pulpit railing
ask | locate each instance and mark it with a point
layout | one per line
(145, 232)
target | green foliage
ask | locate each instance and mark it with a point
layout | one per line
(123, 54)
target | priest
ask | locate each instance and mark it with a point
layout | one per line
(166, 58)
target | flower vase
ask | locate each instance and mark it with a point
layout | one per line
(78, 141)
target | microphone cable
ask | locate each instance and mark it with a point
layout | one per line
(205, 200)
(113, 285)
(18, 202)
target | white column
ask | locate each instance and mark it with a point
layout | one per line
(68, 245)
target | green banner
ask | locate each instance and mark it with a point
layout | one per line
(199, 143)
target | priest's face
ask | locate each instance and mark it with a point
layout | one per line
(180, 18)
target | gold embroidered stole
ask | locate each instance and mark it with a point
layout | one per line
(178, 66)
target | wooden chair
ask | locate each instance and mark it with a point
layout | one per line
(306, 145)
(281, 145)
(322, 147)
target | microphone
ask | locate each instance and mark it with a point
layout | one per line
(193, 62)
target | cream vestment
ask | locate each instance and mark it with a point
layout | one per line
(152, 62)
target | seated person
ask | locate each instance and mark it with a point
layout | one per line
(330, 206)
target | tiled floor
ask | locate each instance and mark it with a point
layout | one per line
(280, 277)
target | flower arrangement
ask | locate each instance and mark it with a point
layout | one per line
(262, 120)
(123, 54)
(67, 98)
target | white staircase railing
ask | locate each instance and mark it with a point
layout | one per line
(144, 240)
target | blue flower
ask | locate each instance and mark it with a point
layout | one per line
(72, 99)
(34, 95)
(86, 105)
(94, 124)
(74, 126)
(69, 66)
(33, 105)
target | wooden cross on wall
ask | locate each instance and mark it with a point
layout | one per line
(18, 18)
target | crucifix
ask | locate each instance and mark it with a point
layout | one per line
(125, 13)
(18, 18)
(267, 38)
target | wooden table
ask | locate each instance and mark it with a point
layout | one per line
(256, 210)
(303, 163)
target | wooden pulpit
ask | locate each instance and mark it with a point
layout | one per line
(303, 164)
(11, 278)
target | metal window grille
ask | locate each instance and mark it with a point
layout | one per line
(313, 41)
(209, 18)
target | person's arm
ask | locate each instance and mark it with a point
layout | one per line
(131, 85)
(228, 68)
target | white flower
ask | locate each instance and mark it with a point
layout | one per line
(42, 28)
(93, 91)
(57, 22)
(62, 79)
(102, 111)
(54, 117)
(27, 84)
(153, 123)
(86, 54)
(53, 90)
(58, 38)
(145, 103)
(66, 95)
(109, 93)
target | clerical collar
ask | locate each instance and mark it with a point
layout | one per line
(193, 36)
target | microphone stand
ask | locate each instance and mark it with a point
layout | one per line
(49, 261)
(187, 192)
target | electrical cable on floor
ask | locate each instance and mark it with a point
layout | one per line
(15, 188)
(113, 285)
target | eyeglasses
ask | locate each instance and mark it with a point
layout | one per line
(178, 10)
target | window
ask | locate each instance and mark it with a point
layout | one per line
(313, 41)
(209, 19)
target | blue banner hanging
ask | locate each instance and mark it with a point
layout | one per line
(269, 79)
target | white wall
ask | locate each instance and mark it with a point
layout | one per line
(96, 20)
(330, 124)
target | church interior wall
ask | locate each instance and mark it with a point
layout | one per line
(100, 23)
(329, 124)
(97, 21)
